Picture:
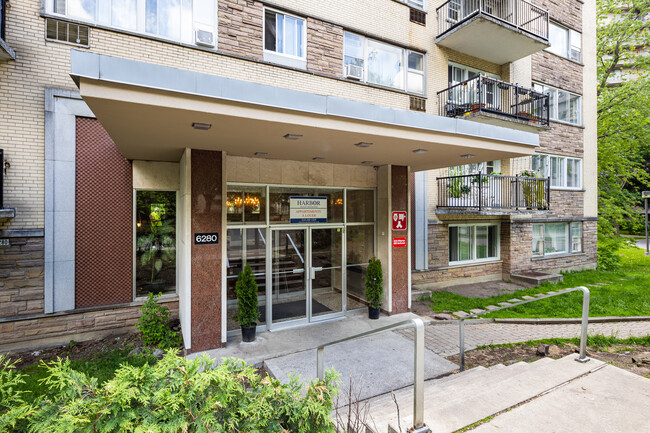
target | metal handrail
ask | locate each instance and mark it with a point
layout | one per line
(583, 333)
(418, 366)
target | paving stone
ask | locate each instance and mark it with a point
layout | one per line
(551, 293)
(540, 294)
(505, 304)
(477, 311)
(526, 297)
(443, 316)
(491, 307)
(460, 314)
(514, 300)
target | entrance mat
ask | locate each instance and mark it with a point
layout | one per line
(291, 309)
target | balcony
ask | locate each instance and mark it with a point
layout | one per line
(496, 102)
(493, 193)
(6, 53)
(499, 31)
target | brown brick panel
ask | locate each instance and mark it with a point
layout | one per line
(103, 219)
(21, 277)
(562, 139)
(567, 12)
(557, 71)
(81, 326)
(444, 275)
(240, 28)
(324, 48)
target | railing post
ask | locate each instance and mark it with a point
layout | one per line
(517, 192)
(585, 322)
(320, 363)
(480, 192)
(418, 376)
(548, 193)
(517, 100)
(461, 343)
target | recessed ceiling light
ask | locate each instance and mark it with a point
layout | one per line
(317, 158)
(261, 153)
(292, 136)
(420, 151)
(363, 144)
(468, 156)
(366, 162)
(201, 126)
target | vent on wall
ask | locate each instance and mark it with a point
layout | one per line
(418, 17)
(69, 33)
(417, 104)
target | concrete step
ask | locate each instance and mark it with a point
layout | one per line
(466, 398)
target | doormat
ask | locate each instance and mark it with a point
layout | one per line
(291, 309)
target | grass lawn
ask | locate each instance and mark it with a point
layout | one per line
(626, 294)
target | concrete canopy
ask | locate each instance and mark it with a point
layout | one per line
(149, 110)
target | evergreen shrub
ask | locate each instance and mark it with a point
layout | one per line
(246, 290)
(374, 283)
(154, 324)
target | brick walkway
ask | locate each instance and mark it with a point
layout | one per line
(443, 339)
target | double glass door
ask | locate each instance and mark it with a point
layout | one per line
(306, 273)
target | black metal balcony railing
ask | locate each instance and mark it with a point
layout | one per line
(2, 19)
(482, 192)
(521, 14)
(485, 94)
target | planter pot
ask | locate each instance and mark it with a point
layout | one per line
(248, 333)
(373, 313)
(155, 286)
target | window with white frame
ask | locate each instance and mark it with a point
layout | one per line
(488, 167)
(473, 243)
(564, 172)
(416, 4)
(563, 106)
(565, 42)
(189, 21)
(557, 238)
(456, 74)
(284, 34)
(383, 64)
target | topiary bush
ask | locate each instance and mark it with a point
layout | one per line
(154, 324)
(374, 283)
(246, 290)
(178, 395)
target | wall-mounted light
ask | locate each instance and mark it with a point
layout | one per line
(201, 126)
(261, 153)
(317, 158)
(467, 156)
(366, 162)
(363, 144)
(7, 166)
(420, 151)
(139, 224)
(292, 136)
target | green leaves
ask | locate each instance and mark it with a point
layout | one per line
(154, 324)
(374, 283)
(246, 290)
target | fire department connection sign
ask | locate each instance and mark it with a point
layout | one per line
(399, 220)
(308, 209)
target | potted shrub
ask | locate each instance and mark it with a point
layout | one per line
(247, 311)
(533, 189)
(374, 287)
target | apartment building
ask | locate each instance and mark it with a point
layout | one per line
(159, 145)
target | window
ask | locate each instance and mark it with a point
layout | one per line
(384, 64)
(563, 106)
(565, 42)
(487, 167)
(557, 238)
(284, 34)
(456, 74)
(417, 4)
(155, 242)
(564, 172)
(176, 20)
(469, 243)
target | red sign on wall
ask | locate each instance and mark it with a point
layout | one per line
(399, 220)
(399, 242)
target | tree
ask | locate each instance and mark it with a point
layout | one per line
(623, 109)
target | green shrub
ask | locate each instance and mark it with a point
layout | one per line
(246, 290)
(12, 405)
(608, 257)
(374, 283)
(154, 324)
(181, 395)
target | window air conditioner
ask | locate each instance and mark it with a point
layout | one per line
(203, 37)
(354, 72)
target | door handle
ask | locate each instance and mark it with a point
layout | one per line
(298, 271)
(313, 272)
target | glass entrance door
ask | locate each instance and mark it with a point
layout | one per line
(288, 271)
(326, 271)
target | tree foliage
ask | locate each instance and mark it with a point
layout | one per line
(154, 324)
(623, 110)
(374, 283)
(248, 312)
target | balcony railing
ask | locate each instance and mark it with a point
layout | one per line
(487, 191)
(521, 14)
(489, 95)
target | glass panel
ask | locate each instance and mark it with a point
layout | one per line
(353, 49)
(481, 242)
(205, 14)
(538, 239)
(576, 45)
(246, 204)
(288, 290)
(279, 36)
(563, 106)
(416, 61)
(245, 246)
(155, 254)
(493, 241)
(460, 243)
(279, 203)
(299, 42)
(415, 82)
(83, 9)
(574, 109)
(163, 18)
(360, 246)
(290, 36)
(557, 171)
(555, 238)
(360, 206)
(123, 14)
(552, 103)
(269, 31)
(558, 38)
(576, 237)
(573, 173)
(385, 65)
(327, 263)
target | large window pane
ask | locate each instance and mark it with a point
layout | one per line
(385, 65)
(576, 237)
(360, 247)
(574, 109)
(269, 31)
(155, 253)
(559, 40)
(481, 242)
(360, 206)
(353, 49)
(563, 106)
(124, 14)
(493, 241)
(82, 9)
(555, 238)
(279, 203)
(464, 243)
(246, 205)
(163, 17)
(538, 239)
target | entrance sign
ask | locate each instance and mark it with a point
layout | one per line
(399, 220)
(308, 209)
(399, 242)
(206, 238)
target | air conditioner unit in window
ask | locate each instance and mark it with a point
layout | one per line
(204, 37)
(574, 55)
(354, 72)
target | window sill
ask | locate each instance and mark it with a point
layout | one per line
(281, 59)
(562, 122)
(566, 58)
(557, 256)
(467, 264)
(404, 2)
(568, 189)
